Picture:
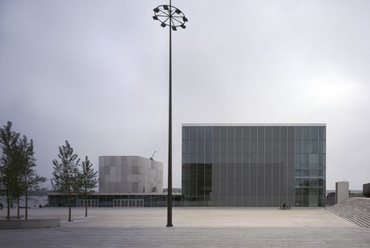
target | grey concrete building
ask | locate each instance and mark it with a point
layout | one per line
(341, 191)
(255, 165)
(130, 174)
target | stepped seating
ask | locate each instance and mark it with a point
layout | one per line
(355, 210)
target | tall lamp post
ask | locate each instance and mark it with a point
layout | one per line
(172, 17)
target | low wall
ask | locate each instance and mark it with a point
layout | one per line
(32, 223)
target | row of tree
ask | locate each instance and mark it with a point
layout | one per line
(71, 178)
(18, 174)
(17, 168)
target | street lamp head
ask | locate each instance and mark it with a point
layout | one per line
(171, 16)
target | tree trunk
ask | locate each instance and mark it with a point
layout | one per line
(26, 206)
(69, 206)
(8, 204)
(18, 215)
(85, 206)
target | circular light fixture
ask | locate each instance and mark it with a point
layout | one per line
(169, 15)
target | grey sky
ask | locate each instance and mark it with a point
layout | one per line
(95, 73)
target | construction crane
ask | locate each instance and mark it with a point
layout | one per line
(151, 158)
(52, 184)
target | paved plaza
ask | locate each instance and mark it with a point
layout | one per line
(193, 227)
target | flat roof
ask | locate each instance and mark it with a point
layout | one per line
(122, 194)
(254, 124)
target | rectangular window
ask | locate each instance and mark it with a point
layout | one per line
(306, 132)
(223, 131)
(314, 132)
(261, 133)
(230, 133)
(246, 131)
(322, 133)
(284, 133)
(298, 133)
(254, 133)
(216, 133)
(185, 133)
(193, 133)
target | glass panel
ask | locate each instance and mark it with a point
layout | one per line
(284, 133)
(193, 146)
(306, 146)
(276, 146)
(223, 146)
(193, 132)
(314, 146)
(238, 146)
(322, 132)
(284, 146)
(314, 132)
(290, 133)
(268, 146)
(246, 131)
(231, 146)
(254, 133)
(201, 133)
(185, 133)
(216, 146)
(230, 133)
(238, 133)
(254, 146)
(261, 133)
(276, 133)
(216, 133)
(261, 146)
(208, 133)
(246, 146)
(200, 146)
(298, 133)
(322, 146)
(223, 133)
(322, 160)
(208, 146)
(186, 146)
(268, 133)
(306, 132)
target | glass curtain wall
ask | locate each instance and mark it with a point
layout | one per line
(256, 166)
(310, 166)
(197, 166)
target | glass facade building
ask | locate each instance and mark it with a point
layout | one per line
(264, 165)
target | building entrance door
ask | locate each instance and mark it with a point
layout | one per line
(128, 203)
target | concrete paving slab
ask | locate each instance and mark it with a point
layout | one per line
(193, 227)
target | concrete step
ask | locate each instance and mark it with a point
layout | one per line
(355, 210)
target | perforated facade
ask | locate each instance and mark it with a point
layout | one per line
(264, 165)
(130, 174)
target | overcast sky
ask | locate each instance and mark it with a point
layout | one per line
(95, 73)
